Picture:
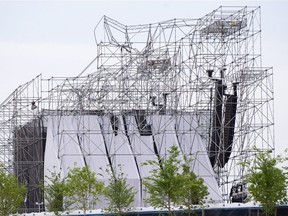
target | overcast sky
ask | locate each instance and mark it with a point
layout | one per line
(55, 38)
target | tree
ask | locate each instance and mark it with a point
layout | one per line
(12, 193)
(173, 182)
(82, 188)
(193, 188)
(54, 190)
(267, 182)
(118, 193)
(165, 182)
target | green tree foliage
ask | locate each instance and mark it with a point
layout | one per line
(12, 194)
(267, 182)
(54, 190)
(82, 188)
(165, 182)
(118, 193)
(193, 189)
(172, 182)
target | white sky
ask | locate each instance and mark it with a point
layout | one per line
(56, 38)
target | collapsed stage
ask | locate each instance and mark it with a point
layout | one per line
(198, 84)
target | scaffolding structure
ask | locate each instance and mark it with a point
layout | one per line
(205, 72)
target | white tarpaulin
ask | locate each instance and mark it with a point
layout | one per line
(100, 141)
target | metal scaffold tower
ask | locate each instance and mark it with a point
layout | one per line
(195, 83)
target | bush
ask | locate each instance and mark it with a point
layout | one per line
(12, 194)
